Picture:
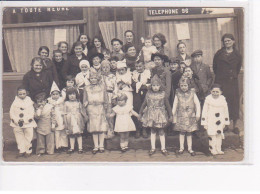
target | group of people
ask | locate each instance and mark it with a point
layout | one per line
(137, 89)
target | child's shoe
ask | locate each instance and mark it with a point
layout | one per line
(180, 152)
(165, 152)
(95, 150)
(151, 152)
(20, 155)
(80, 151)
(101, 150)
(70, 151)
(220, 152)
(123, 150)
(192, 153)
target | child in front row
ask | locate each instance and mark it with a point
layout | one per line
(124, 123)
(22, 121)
(96, 103)
(156, 113)
(55, 99)
(214, 118)
(186, 114)
(45, 129)
(74, 119)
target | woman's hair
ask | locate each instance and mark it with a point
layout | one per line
(89, 40)
(216, 86)
(180, 44)
(114, 58)
(63, 42)
(78, 43)
(38, 59)
(100, 40)
(70, 91)
(44, 48)
(227, 35)
(129, 31)
(70, 78)
(161, 37)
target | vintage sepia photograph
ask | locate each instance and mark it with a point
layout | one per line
(123, 84)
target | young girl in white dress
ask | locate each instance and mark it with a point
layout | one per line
(214, 118)
(124, 123)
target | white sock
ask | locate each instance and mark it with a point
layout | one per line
(79, 139)
(182, 138)
(219, 143)
(189, 142)
(72, 142)
(153, 139)
(95, 140)
(162, 140)
(101, 140)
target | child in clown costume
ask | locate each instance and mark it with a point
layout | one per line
(22, 121)
(214, 118)
(55, 99)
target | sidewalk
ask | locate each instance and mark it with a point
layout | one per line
(138, 150)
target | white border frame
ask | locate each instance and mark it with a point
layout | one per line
(160, 169)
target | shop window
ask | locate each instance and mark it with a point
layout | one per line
(115, 14)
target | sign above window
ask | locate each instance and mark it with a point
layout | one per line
(173, 11)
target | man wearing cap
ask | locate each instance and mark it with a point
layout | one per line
(201, 70)
(117, 49)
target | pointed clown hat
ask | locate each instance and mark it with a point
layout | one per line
(54, 87)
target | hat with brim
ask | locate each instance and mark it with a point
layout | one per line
(163, 57)
(196, 52)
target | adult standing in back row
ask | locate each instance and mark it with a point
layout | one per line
(227, 63)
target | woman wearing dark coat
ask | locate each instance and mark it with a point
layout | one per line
(37, 80)
(227, 63)
(73, 61)
(48, 65)
(60, 64)
(131, 56)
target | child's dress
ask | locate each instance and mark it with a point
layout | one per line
(75, 117)
(127, 79)
(45, 136)
(23, 131)
(124, 122)
(95, 97)
(111, 89)
(155, 112)
(186, 107)
(215, 115)
(61, 139)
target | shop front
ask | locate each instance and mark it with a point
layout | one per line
(25, 29)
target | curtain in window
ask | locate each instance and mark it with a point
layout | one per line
(108, 31)
(204, 35)
(123, 26)
(22, 44)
